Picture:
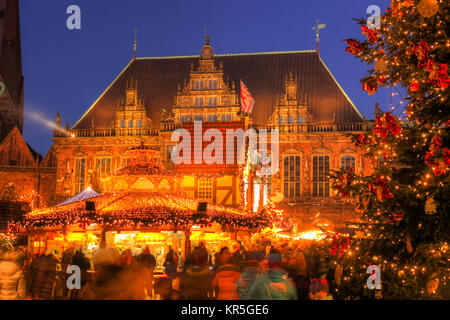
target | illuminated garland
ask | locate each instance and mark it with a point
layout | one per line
(136, 209)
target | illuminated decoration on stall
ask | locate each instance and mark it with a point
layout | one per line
(256, 195)
(316, 235)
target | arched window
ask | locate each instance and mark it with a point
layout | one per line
(347, 162)
(80, 174)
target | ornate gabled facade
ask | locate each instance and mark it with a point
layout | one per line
(205, 96)
(131, 115)
(291, 106)
(24, 176)
(294, 92)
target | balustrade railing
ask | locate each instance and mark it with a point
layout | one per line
(284, 128)
(94, 133)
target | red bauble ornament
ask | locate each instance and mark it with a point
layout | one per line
(414, 86)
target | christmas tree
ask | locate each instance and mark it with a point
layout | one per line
(405, 203)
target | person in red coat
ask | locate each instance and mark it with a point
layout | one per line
(224, 282)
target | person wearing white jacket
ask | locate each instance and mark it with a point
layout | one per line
(12, 278)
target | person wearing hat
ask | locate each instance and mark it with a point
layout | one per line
(249, 274)
(274, 284)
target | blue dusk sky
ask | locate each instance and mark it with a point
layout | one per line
(66, 70)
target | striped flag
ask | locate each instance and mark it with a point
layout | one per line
(247, 100)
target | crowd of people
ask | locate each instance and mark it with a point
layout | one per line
(287, 271)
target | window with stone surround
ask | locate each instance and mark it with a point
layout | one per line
(80, 174)
(291, 176)
(198, 102)
(321, 183)
(347, 162)
(103, 166)
(198, 84)
(212, 102)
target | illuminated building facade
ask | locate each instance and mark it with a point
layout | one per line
(294, 92)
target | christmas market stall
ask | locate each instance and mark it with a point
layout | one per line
(135, 219)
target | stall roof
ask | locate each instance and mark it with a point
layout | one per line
(84, 195)
(141, 208)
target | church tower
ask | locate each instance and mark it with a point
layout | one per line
(11, 79)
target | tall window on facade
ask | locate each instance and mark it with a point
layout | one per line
(130, 124)
(122, 123)
(205, 189)
(300, 119)
(347, 162)
(212, 84)
(291, 120)
(321, 168)
(212, 117)
(138, 123)
(226, 117)
(212, 101)
(198, 85)
(282, 120)
(103, 166)
(292, 176)
(80, 170)
(198, 102)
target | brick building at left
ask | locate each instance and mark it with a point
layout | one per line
(26, 178)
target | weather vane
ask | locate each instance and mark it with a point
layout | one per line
(317, 28)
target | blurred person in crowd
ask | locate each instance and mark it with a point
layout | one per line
(295, 265)
(236, 256)
(224, 252)
(170, 256)
(195, 281)
(65, 262)
(148, 263)
(180, 264)
(44, 276)
(167, 287)
(80, 260)
(133, 276)
(107, 283)
(12, 277)
(312, 257)
(319, 290)
(249, 274)
(274, 284)
(224, 282)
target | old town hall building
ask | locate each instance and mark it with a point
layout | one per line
(294, 92)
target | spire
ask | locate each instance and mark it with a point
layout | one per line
(206, 37)
(135, 44)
